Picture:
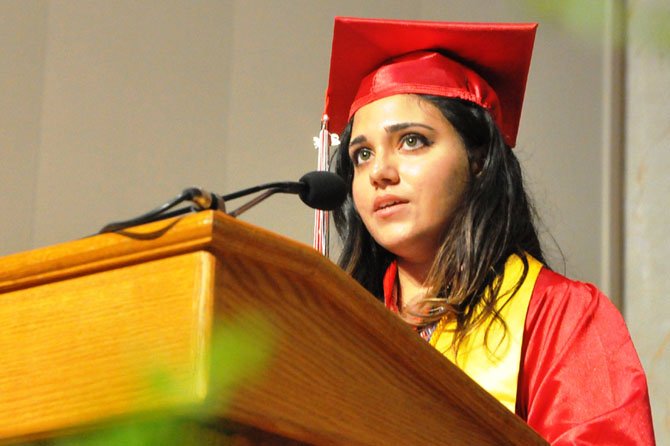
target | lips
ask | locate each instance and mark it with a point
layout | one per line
(386, 202)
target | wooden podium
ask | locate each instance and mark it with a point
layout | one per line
(82, 322)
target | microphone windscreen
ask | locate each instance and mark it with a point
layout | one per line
(323, 190)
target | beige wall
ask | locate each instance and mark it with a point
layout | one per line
(131, 102)
(22, 52)
(110, 108)
(647, 243)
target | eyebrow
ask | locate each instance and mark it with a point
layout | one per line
(404, 125)
(392, 129)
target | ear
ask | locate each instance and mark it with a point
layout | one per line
(477, 160)
(476, 167)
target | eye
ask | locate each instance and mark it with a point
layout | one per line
(413, 141)
(361, 155)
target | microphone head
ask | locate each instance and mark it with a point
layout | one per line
(323, 190)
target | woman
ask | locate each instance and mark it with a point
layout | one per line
(438, 226)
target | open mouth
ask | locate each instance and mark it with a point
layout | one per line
(385, 205)
(388, 205)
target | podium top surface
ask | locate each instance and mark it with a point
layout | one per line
(379, 363)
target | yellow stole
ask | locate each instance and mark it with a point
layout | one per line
(495, 367)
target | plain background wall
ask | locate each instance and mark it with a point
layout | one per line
(22, 48)
(647, 218)
(108, 109)
(130, 102)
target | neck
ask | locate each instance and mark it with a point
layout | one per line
(412, 280)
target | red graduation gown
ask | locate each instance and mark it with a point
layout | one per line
(580, 380)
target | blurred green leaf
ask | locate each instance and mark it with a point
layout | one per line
(240, 349)
(649, 21)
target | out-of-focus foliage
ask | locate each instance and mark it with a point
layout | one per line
(653, 24)
(575, 15)
(650, 20)
(240, 350)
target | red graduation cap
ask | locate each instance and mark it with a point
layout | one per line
(485, 63)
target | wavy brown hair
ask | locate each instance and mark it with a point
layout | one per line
(494, 220)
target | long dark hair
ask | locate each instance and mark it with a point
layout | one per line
(494, 220)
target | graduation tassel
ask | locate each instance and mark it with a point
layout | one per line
(321, 218)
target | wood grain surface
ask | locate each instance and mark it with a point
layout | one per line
(84, 321)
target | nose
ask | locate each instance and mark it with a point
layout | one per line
(384, 170)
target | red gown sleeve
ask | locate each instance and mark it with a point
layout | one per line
(581, 381)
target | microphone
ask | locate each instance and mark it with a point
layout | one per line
(319, 190)
(322, 190)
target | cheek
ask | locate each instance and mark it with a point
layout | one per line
(357, 193)
(456, 188)
(446, 189)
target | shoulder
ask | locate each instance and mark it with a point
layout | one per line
(581, 379)
(570, 302)
(553, 288)
(568, 318)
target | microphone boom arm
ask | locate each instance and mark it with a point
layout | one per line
(253, 202)
(320, 190)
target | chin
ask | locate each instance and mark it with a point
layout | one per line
(400, 248)
(405, 246)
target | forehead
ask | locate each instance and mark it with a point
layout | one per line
(396, 109)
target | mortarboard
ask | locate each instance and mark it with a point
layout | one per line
(485, 63)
